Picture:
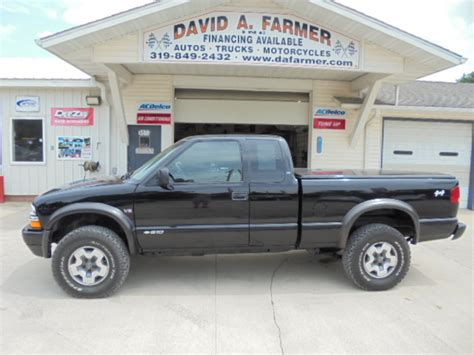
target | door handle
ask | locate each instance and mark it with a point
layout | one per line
(240, 196)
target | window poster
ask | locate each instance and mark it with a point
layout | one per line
(74, 148)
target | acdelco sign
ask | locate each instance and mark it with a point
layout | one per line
(154, 107)
(327, 112)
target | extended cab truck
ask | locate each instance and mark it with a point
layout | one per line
(239, 194)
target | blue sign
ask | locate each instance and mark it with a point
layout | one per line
(27, 104)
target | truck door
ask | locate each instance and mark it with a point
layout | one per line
(273, 194)
(208, 206)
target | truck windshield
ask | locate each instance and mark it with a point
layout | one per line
(151, 164)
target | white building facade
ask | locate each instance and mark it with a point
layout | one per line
(338, 85)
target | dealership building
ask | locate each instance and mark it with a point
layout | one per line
(340, 86)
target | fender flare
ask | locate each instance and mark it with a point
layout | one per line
(372, 205)
(95, 208)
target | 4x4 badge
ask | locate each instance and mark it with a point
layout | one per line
(154, 232)
(439, 193)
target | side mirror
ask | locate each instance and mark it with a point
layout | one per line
(164, 179)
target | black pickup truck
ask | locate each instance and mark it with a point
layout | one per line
(239, 194)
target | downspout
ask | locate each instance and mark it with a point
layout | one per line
(397, 95)
(106, 102)
(365, 112)
(116, 98)
(372, 116)
(470, 202)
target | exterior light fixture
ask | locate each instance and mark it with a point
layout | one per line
(93, 100)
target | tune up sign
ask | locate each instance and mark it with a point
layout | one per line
(328, 118)
(251, 38)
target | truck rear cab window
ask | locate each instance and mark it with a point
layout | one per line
(208, 162)
(266, 161)
(27, 140)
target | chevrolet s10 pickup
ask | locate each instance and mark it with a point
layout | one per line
(239, 194)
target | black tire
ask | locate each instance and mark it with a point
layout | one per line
(355, 260)
(117, 261)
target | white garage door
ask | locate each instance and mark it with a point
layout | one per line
(429, 146)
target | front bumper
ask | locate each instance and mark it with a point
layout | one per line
(34, 240)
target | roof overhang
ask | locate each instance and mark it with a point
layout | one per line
(390, 31)
(49, 83)
(420, 57)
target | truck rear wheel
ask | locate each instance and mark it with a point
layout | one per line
(91, 262)
(377, 257)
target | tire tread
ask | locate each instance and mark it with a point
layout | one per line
(108, 236)
(359, 236)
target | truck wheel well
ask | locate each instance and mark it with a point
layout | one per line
(397, 219)
(74, 221)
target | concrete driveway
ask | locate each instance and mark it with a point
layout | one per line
(289, 303)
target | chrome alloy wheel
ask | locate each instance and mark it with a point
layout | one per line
(88, 266)
(380, 260)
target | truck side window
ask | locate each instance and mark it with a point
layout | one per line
(208, 162)
(266, 161)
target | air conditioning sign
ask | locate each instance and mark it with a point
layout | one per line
(157, 113)
(328, 118)
(251, 38)
(72, 116)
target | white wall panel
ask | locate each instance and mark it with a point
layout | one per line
(35, 179)
(337, 152)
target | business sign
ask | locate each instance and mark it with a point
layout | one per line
(329, 118)
(251, 38)
(154, 113)
(154, 118)
(327, 123)
(27, 104)
(74, 148)
(72, 116)
(154, 107)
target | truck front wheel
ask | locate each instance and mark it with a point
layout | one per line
(90, 262)
(377, 257)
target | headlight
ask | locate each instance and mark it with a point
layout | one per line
(35, 223)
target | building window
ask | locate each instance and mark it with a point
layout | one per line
(27, 140)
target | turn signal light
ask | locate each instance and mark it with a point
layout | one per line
(36, 224)
(456, 195)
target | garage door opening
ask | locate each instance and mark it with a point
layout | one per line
(295, 135)
(284, 114)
